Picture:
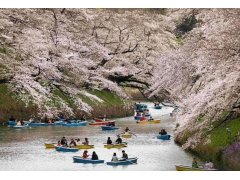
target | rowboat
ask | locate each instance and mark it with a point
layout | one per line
(79, 159)
(20, 127)
(149, 121)
(100, 120)
(66, 149)
(78, 123)
(85, 146)
(137, 117)
(123, 162)
(109, 146)
(109, 127)
(50, 145)
(165, 137)
(126, 135)
(189, 168)
(11, 123)
(36, 124)
(100, 123)
(158, 107)
(56, 123)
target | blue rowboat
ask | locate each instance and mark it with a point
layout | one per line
(147, 115)
(165, 137)
(79, 159)
(158, 107)
(36, 124)
(79, 123)
(66, 149)
(123, 162)
(109, 127)
(20, 127)
(137, 117)
(12, 123)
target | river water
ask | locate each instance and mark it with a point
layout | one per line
(24, 150)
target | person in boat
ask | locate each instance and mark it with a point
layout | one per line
(119, 140)
(86, 141)
(163, 132)
(151, 118)
(143, 118)
(78, 141)
(94, 156)
(64, 142)
(59, 144)
(100, 116)
(50, 121)
(114, 157)
(19, 123)
(209, 165)
(109, 141)
(195, 163)
(124, 155)
(85, 154)
(127, 129)
(22, 122)
(12, 119)
(83, 118)
(104, 117)
(72, 143)
(138, 113)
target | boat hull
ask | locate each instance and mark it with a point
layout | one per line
(20, 127)
(100, 122)
(11, 123)
(126, 135)
(149, 122)
(75, 124)
(66, 149)
(158, 107)
(50, 145)
(165, 137)
(109, 146)
(109, 127)
(137, 117)
(37, 124)
(189, 168)
(84, 146)
(79, 159)
(124, 162)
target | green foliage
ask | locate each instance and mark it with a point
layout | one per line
(64, 97)
(220, 137)
(186, 25)
(158, 10)
(108, 97)
(3, 50)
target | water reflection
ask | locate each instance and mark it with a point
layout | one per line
(24, 150)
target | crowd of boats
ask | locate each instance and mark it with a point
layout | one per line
(141, 116)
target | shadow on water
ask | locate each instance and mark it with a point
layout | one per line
(24, 150)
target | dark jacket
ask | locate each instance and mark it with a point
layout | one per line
(109, 141)
(94, 156)
(119, 140)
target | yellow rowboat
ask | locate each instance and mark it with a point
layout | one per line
(149, 121)
(84, 146)
(189, 168)
(126, 135)
(50, 145)
(115, 145)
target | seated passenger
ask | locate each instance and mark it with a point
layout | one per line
(85, 155)
(114, 158)
(119, 140)
(78, 142)
(109, 141)
(72, 143)
(86, 141)
(94, 156)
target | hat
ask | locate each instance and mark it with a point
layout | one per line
(123, 151)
